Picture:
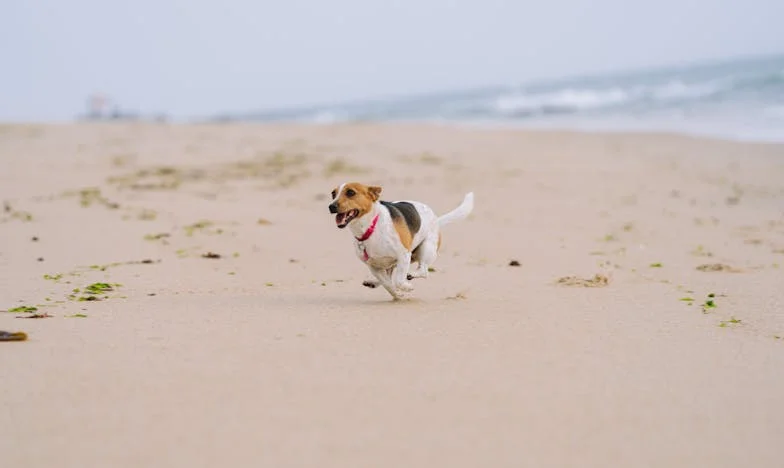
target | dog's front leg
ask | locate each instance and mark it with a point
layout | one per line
(384, 279)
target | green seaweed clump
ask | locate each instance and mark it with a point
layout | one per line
(23, 310)
(100, 288)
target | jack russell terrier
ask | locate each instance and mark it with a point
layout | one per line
(390, 236)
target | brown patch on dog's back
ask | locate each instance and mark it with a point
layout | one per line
(408, 212)
(406, 220)
(403, 232)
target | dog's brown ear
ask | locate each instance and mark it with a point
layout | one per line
(375, 192)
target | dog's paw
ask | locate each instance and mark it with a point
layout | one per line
(401, 295)
(405, 286)
(370, 284)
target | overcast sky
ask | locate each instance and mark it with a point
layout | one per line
(198, 57)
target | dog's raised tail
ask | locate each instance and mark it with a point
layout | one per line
(461, 212)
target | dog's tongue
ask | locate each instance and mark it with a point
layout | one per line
(339, 218)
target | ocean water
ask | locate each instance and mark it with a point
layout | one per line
(738, 100)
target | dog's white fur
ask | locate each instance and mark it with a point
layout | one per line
(388, 259)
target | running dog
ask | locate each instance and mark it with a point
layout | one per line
(390, 236)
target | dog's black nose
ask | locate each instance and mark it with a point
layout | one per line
(333, 208)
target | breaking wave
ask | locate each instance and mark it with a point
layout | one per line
(749, 89)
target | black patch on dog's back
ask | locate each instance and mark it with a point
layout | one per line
(408, 212)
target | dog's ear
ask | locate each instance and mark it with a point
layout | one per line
(375, 192)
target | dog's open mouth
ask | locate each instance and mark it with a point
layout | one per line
(342, 219)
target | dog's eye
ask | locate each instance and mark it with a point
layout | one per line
(350, 193)
(334, 193)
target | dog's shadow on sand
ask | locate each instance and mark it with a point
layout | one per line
(365, 303)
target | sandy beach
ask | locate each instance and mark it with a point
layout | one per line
(197, 306)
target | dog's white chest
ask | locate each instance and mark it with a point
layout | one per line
(382, 263)
(375, 255)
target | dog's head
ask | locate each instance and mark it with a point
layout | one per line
(351, 201)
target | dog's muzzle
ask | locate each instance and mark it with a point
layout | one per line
(333, 208)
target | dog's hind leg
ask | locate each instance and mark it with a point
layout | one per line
(426, 255)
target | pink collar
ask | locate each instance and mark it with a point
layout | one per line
(369, 231)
